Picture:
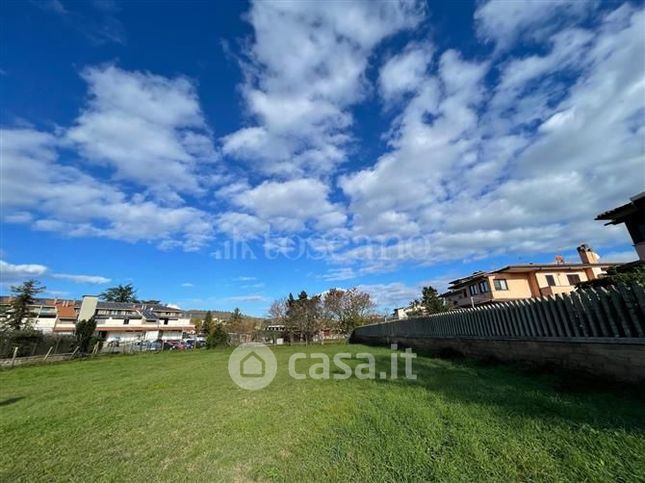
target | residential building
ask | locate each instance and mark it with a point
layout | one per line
(405, 312)
(515, 282)
(115, 321)
(632, 215)
(47, 314)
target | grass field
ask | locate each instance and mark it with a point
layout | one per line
(178, 416)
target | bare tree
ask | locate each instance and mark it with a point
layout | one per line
(347, 309)
(278, 311)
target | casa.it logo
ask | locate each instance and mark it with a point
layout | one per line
(252, 366)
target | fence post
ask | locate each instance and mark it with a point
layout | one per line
(48, 352)
(13, 358)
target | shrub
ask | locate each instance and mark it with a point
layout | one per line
(84, 332)
(218, 337)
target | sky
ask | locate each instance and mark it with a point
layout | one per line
(223, 154)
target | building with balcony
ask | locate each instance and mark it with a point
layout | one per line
(115, 321)
(516, 282)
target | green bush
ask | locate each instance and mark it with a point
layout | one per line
(84, 332)
(218, 337)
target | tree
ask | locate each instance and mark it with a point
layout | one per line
(19, 314)
(218, 337)
(120, 293)
(278, 311)
(236, 318)
(83, 333)
(430, 301)
(347, 309)
(304, 315)
(197, 323)
(623, 274)
(240, 324)
(207, 324)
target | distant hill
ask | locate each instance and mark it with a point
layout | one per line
(217, 314)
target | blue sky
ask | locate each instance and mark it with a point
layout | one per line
(222, 154)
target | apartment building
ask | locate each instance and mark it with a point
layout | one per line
(515, 282)
(115, 321)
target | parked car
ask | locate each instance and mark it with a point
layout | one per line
(172, 345)
(189, 343)
(154, 345)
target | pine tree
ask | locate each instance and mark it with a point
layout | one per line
(19, 315)
(207, 325)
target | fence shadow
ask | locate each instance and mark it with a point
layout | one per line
(11, 400)
(515, 392)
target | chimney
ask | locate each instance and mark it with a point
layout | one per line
(587, 255)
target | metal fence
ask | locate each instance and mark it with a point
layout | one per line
(616, 312)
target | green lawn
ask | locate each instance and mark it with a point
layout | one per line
(178, 416)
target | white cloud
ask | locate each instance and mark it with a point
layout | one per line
(89, 279)
(241, 226)
(404, 72)
(248, 298)
(288, 205)
(462, 181)
(391, 295)
(149, 128)
(299, 98)
(13, 273)
(505, 21)
(19, 272)
(245, 278)
(63, 199)
(187, 285)
(337, 274)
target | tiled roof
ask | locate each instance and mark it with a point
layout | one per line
(617, 215)
(65, 311)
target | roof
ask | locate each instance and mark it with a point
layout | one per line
(115, 305)
(7, 299)
(158, 308)
(65, 311)
(149, 314)
(618, 215)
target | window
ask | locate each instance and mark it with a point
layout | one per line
(473, 289)
(573, 279)
(483, 286)
(165, 321)
(550, 280)
(126, 322)
(500, 284)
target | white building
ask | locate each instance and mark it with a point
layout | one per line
(125, 322)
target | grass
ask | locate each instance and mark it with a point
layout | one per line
(178, 416)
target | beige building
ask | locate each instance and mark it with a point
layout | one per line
(516, 282)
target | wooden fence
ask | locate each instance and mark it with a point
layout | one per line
(616, 312)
